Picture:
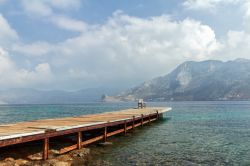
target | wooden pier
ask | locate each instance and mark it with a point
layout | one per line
(103, 125)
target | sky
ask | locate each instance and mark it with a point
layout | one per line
(79, 44)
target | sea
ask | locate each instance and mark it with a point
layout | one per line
(192, 133)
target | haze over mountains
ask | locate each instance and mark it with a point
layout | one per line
(190, 81)
(32, 96)
(206, 80)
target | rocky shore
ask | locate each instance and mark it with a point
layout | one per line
(76, 157)
(84, 156)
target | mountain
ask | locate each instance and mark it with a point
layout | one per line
(32, 96)
(198, 81)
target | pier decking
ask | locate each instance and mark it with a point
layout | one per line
(108, 124)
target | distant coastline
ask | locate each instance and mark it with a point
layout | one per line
(210, 80)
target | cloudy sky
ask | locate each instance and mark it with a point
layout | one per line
(78, 44)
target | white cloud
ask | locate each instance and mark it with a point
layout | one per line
(64, 4)
(33, 49)
(36, 7)
(49, 10)
(207, 4)
(247, 8)
(46, 7)
(235, 45)
(12, 76)
(125, 46)
(7, 34)
(5, 63)
(233, 37)
(236, 5)
(70, 24)
(236, 38)
(123, 50)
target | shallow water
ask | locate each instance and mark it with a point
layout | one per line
(194, 133)
(203, 133)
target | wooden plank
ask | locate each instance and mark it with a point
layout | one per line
(92, 140)
(145, 122)
(125, 127)
(133, 123)
(138, 124)
(115, 132)
(79, 140)
(129, 127)
(45, 148)
(141, 119)
(22, 132)
(105, 134)
(68, 149)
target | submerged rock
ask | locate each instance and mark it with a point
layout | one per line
(81, 152)
(73, 157)
(9, 159)
(21, 162)
(37, 156)
(59, 163)
(106, 143)
(8, 162)
(65, 157)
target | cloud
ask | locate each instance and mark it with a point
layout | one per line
(37, 8)
(12, 76)
(7, 34)
(5, 63)
(39, 48)
(247, 8)
(235, 45)
(52, 11)
(125, 46)
(64, 4)
(207, 4)
(46, 7)
(121, 48)
(236, 38)
(123, 51)
(67, 23)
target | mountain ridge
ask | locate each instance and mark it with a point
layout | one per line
(195, 81)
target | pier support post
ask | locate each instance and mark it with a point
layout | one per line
(125, 127)
(79, 140)
(141, 119)
(45, 148)
(105, 134)
(133, 123)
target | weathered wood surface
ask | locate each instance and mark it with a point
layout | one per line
(23, 129)
(11, 134)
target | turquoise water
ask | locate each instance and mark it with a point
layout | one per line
(18, 113)
(194, 133)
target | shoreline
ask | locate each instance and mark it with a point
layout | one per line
(29, 154)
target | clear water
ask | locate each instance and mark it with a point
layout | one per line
(18, 113)
(194, 133)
